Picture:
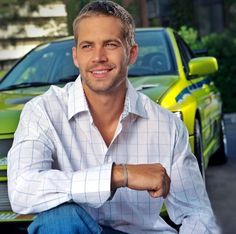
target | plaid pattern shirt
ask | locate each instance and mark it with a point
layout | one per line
(58, 155)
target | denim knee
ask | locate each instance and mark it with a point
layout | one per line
(64, 219)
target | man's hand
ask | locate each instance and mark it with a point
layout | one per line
(150, 177)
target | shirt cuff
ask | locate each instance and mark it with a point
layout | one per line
(92, 186)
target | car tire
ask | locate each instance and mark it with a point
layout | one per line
(198, 151)
(220, 156)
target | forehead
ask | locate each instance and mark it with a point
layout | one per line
(99, 25)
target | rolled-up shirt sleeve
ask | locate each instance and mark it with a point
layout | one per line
(35, 184)
(94, 185)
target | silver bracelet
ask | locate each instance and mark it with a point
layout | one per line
(125, 172)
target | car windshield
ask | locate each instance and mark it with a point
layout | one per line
(155, 57)
(52, 63)
(48, 64)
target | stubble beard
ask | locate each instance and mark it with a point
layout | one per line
(104, 86)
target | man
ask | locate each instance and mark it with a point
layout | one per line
(96, 156)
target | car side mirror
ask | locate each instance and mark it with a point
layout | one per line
(202, 66)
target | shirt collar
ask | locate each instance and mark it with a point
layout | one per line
(134, 103)
(77, 102)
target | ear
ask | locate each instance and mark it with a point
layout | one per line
(133, 54)
(74, 55)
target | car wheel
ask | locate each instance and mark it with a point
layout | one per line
(198, 148)
(220, 156)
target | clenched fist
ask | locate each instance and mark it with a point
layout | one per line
(150, 177)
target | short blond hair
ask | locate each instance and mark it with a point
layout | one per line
(108, 8)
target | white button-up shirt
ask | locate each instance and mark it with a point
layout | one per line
(58, 156)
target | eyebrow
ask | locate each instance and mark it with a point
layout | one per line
(85, 42)
(104, 42)
(113, 40)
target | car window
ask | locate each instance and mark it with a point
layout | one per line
(154, 57)
(185, 52)
(49, 63)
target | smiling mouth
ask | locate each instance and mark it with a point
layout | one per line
(100, 72)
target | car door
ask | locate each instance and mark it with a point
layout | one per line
(201, 89)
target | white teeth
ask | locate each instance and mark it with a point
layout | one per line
(100, 72)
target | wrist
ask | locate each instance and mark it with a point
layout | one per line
(125, 175)
(119, 176)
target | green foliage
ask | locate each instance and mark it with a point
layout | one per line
(190, 35)
(223, 47)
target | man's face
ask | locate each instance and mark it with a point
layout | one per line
(102, 54)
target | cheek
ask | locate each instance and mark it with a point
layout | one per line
(126, 61)
(123, 59)
(82, 62)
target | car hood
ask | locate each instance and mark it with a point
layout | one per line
(11, 104)
(12, 101)
(154, 86)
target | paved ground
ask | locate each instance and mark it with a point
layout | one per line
(221, 183)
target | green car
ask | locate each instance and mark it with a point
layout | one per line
(166, 70)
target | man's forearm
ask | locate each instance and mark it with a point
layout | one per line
(150, 177)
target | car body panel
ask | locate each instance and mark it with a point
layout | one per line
(11, 104)
(154, 87)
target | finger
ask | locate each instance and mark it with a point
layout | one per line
(163, 189)
(155, 194)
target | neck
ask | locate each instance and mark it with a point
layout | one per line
(101, 103)
(106, 109)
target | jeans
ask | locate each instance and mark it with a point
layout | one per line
(68, 218)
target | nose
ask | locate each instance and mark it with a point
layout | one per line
(100, 55)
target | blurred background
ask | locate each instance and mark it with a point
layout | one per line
(206, 25)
